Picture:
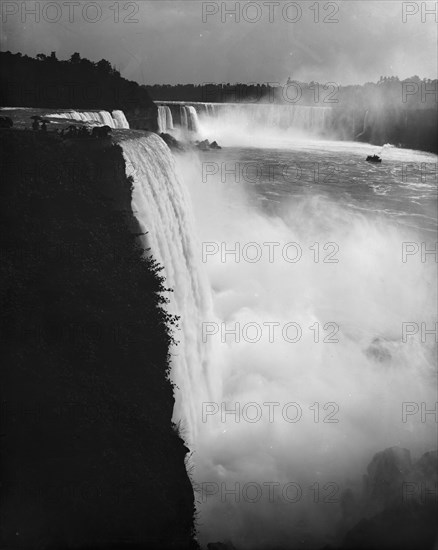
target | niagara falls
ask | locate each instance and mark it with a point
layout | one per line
(343, 277)
(219, 280)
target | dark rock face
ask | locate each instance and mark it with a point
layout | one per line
(398, 507)
(143, 118)
(416, 129)
(400, 527)
(386, 473)
(6, 122)
(378, 351)
(426, 468)
(172, 142)
(101, 132)
(205, 145)
(89, 457)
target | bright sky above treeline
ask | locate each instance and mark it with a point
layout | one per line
(195, 41)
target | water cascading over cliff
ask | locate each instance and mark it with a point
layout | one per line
(185, 116)
(356, 373)
(230, 121)
(161, 206)
(165, 120)
(116, 119)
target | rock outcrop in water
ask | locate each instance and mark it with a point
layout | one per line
(89, 457)
(172, 142)
(6, 122)
(205, 145)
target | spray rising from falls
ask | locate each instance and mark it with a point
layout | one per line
(162, 207)
(349, 389)
(233, 123)
(116, 120)
(258, 464)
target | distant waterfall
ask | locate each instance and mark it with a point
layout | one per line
(193, 123)
(183, 117)
(120, 120)
(189, 118)
(162, 207)
(310, 119)
(116, 120)
(165, 120)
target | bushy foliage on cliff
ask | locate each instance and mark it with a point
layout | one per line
(76, 83)
(89, 456)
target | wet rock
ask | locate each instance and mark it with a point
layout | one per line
(427, 466)
(398, 507)
(203, 145)
(421, 485)
(6, 122)
(101, 132)
(398, 528)
(386, 473)
(377, 351)
(171, 142)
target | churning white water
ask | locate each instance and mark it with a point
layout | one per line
(283, 421)
(161, 204)
(271, 474)
(241, 124)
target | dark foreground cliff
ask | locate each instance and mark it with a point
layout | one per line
(89, 456)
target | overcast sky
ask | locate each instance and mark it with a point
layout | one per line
(187, 41)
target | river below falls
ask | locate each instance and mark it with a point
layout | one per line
(323, 289)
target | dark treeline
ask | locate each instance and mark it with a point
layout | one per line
(412, 93)
(76, 83)
(402, 112)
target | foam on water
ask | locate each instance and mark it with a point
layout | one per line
(349, 385)
(365, 376)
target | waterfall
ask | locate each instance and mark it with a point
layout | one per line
(165, 120)
(183, 117)
(192, 118)
(115, 120)
(162, 208)
(281, 452)
(311, 119)
(120, 120)
(365, 125)
(186, 114)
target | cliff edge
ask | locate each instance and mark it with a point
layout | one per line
(89, 456)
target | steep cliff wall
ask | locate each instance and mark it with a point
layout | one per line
(89, 456)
